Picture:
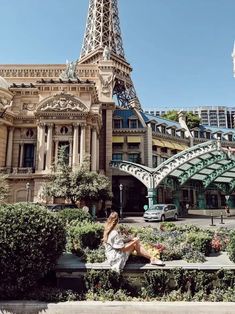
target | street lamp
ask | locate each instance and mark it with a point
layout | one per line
(121, 191)
(27, 191)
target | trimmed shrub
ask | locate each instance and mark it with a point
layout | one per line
(74, 214)
(200, 241)
(231, 247)
(31, 240)
(84, 235)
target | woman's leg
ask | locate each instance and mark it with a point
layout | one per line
(140, 250)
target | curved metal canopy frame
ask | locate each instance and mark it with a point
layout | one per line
(207, 162)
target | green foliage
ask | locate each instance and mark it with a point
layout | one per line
(52, 294)
(94, 256)
(192, 119)
(97, 281)
(78, 184)
(109, 295)
(70, 214)
(171, 115)
(200, 241)
(31, 240)
(85, 235)
(231, 247)
(3, 188)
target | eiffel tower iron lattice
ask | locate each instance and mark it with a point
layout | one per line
(103, 31)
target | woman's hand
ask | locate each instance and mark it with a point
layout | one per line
(135, 239)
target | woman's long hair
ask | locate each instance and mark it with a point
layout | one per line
(110, 225)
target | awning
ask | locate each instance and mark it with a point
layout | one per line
(133, 139)
(169, 144)
(178, 146)
(118, 139)
(158, 143)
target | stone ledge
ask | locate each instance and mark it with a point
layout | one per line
(70, 270)
(69, 263)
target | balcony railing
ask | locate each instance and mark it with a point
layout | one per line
(17, 170)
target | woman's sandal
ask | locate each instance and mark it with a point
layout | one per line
(157, 262)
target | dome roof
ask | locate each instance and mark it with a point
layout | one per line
(3, 83)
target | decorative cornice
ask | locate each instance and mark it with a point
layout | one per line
(62, 102)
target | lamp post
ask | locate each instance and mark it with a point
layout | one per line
(121, 191)
(27, 186)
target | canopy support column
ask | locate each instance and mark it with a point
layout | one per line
(152, 197)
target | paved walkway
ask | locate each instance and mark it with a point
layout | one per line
(117, 307)
(200, 218)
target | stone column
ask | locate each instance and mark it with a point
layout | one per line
(10, 147)
(70, 152)
(93, 149)
(109, 148)
(75, 145)
(82, 144)
(49, 147)
(41, 146)
(98, 154)
(56, 150)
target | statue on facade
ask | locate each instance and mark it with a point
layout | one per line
(106, 53)
(106, 84)
(5, 104)
(70, 72)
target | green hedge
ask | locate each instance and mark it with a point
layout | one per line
(31, 240)
(200, 241)
(231, 247)
(74, 214)
(84, 235)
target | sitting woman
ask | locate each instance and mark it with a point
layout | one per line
(117, 251)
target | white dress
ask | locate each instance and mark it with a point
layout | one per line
(116, 258)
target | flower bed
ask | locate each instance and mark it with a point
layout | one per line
(169, 242)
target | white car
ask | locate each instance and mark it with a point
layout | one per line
(161, 212)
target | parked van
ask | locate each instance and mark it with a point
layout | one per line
(161, 212)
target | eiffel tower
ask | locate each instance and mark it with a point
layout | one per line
(103, 32)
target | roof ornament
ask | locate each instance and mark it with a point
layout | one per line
(70, 72)
(106, 53)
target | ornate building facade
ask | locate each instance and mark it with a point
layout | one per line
(92, 108)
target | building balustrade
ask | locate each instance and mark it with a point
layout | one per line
(16, 170)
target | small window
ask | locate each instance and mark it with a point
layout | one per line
(133, 145)
(163, 129)
(117, 145)
(133, 123)
(230, 137)
(208, 135)
(28, 159)
(29, 133)
(164, 149)
(134, 158)
(117, 156)
(117, 123)
(196, 134)
(64, 130)
(162, 159)
(173, 132)
(182, 134)
(155, 161)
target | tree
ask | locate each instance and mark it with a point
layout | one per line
(79, 184)
(192, 119)
(3, 188)
(171, 115)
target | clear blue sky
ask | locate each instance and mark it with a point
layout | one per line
(180, 50)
